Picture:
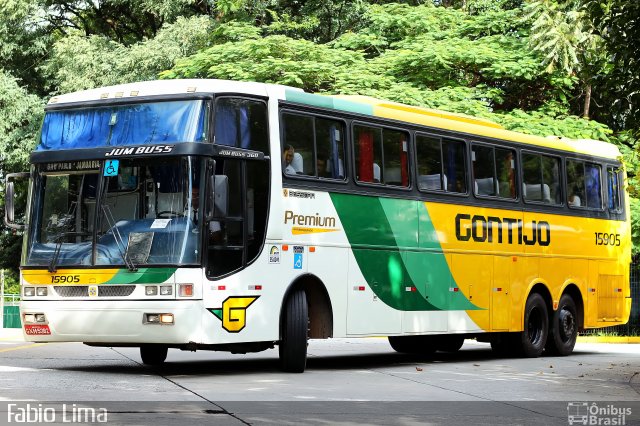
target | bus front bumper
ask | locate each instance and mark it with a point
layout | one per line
(124, 322)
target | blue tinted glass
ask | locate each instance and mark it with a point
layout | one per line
(141, 124)
(592, 185)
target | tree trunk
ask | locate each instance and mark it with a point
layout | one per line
(587, 101)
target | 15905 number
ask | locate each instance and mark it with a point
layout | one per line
(604, 239)
(62, 279)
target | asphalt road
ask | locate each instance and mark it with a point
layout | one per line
(348, 381)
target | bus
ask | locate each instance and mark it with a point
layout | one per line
(241, 216)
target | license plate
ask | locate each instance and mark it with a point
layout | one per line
(37, 330)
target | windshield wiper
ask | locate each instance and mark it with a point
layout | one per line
(122, 248)
(53, 267)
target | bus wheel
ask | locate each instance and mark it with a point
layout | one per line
(295, 332)
(563, 331)
(532, 340)
(449, 343)
(412, 344)
(153, 354)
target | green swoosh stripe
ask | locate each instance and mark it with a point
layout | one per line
(396, 247)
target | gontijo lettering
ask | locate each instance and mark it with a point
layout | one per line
(482, 229)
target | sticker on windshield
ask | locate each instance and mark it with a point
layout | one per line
(160, 223)
(111, 168)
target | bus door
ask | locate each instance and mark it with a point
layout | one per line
(236, 216)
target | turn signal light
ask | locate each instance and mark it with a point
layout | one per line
(185, 290)
(166, 319)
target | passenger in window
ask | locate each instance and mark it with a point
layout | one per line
(321, 164)
(574, 198)
(287, 159)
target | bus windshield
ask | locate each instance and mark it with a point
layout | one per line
(146, 213)
(117, 125)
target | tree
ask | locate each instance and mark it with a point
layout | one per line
(79, 62)
(563, 34)
(619, 23)
(20, 116)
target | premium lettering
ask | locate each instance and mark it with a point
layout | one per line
(304, 220)
(503, 230)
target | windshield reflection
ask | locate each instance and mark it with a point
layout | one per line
(144, 214)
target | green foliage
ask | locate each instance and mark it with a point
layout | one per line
(558, 31)
(635, 225)
(618, 22)
(543, 124)
(272, 59)
(11, 282)
(80, 62)
(20, 116)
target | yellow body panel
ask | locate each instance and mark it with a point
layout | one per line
(496, 263)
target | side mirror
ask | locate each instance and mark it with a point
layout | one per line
(8, 203)
(9, 200)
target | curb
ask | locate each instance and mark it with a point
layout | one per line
(609, 339)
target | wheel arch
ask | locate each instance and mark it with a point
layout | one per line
(540, 287)
(319, 303)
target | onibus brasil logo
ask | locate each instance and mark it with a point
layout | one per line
(233, 313)
(584, 414)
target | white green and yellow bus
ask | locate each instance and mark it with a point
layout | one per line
(219, 215)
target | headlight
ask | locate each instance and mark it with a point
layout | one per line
(29, 291)
(166, 290)
(41, 291)
(151, 290)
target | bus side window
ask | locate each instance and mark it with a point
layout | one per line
(494, 171)
(441, 164)
(396, 150)
(330, 148)
(593, 185)
(368, 152)
(584, 184)
(297, 131)
(541, 178)
(372, 145)
(242, 123)
(613, 189)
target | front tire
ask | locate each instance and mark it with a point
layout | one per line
(563, 330)
(153, 354)
(532, 340)
(295, 332)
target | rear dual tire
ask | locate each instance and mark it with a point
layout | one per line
(532, 340)
(563, 330)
